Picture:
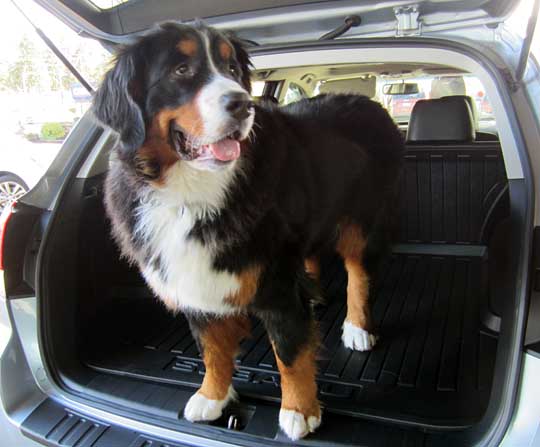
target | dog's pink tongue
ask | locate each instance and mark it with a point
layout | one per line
(225, 150)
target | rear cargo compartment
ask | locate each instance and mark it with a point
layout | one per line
(437, 302)
(432, 348)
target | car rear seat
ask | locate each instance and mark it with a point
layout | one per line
(453, 186)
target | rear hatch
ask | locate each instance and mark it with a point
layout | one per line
(273, 21)
(387, 395)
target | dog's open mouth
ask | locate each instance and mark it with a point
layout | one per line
(225, 150)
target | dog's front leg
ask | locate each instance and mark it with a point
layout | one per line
(218, 339)
(292, 332)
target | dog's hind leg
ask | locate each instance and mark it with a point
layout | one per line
(357, 324)
(218, 339)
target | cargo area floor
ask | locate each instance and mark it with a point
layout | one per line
(431, 367)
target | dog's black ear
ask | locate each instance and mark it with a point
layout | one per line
(115, 103)
(243, 58)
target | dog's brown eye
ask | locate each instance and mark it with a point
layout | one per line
(182, 70)
(233, 69)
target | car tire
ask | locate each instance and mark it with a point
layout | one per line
(12, 188)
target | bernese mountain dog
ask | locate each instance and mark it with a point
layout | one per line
(226, 205)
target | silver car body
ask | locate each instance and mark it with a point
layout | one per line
(24, 378)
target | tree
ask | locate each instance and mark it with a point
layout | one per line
(23, 74)
(37, 68)
(54, 71)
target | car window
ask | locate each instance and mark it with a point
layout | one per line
(294, 93)
(398, 94)
(257, 88)
(432, 87)
(41, 100)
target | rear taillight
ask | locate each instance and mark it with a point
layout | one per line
(4, 219)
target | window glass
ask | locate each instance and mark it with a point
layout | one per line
(400, 100)
(399, 94)
(257, 88)
(294, 93)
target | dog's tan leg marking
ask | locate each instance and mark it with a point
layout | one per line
(300, 412)
(312, 267)
(219, 344)
(351, 245)
(249, 282)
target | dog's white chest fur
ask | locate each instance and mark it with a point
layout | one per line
(179, 268)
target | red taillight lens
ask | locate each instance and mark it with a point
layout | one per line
(4, 219)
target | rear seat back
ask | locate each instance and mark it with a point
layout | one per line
(453, 187)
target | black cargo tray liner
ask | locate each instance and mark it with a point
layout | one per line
(432, 365)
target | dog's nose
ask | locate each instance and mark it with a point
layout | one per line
(238, 104)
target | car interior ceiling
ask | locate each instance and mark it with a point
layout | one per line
(436, 302)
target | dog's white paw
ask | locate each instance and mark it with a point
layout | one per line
(295, 425)
(357, 338)
(200, 408)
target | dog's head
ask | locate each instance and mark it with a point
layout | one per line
(180, 93)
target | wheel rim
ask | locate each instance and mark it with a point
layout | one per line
(9, 192)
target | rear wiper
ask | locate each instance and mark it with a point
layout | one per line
(350, 22)
(56, 51)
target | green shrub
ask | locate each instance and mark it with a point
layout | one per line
(52, 131)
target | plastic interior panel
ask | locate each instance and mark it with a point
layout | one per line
(449, 192)
(53, 425)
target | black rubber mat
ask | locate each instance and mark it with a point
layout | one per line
(432, 364)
